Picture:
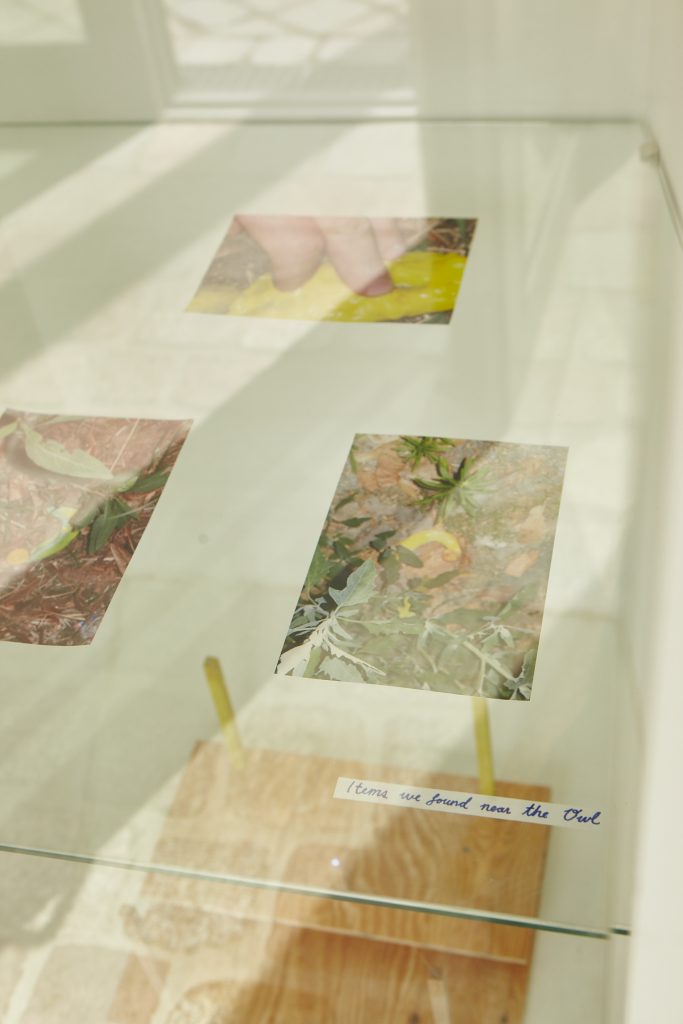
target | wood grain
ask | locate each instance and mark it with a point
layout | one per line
(277, 820)
(276, 974)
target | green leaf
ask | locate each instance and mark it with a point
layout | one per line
(441, 579)
(341, 548)
(379, 540)
(444, 471)
(506, 636)
(54, 457)
(359, 588)
(317, 655)
(54, 547)
(100, 532)
(120, 510)
(392, 627)
(318, 570)
(87, 515)
(518, 600)
(356, 521)
(8, 429)
(336, 668)
(345, 501)
(115, 507)
(408, 557)
(526, 676)
(433, 633)
(114, 514)
(381, 648)
(440, 681)
(152, 482)
(391, 566)
(470, 618)
(435, 486)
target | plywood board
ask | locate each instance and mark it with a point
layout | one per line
(276, 820)
(273, 974)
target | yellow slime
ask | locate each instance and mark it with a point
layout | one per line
(425, 282)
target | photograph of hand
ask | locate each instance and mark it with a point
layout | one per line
(347, 269)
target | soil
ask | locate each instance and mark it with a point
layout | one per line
(61, 599)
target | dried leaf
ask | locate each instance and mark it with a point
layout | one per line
(521, 563)
(54, 457)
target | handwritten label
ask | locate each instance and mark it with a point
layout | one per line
(450, 801)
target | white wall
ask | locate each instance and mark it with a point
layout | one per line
(654, 990)
(653, 979)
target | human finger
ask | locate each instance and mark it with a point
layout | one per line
(352, 251)
(294, 245)
(414, 230)
(388, 238)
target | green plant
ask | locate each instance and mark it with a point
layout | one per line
(106, 509)
(450, 488)
(415, 449)
(362, 633)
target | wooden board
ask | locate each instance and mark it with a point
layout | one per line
(258, 973)
(276, 820)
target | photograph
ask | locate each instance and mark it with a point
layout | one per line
(432, 567)
(76, 494)
(344, 269)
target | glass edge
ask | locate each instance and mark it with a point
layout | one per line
(492, 917)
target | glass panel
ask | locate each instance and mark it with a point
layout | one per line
(113, 751)
(166, 956)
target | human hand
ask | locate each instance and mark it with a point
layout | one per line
(358, 248)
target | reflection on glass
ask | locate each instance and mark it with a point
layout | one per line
(41, 22)
(161, 952)
(253, 51)
(281, 33)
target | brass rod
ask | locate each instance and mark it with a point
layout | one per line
(224, 710)
(482, 735)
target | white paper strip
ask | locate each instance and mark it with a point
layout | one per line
(450, 801)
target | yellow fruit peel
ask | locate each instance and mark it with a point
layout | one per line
(444, 537)
(210, 299)
(425, 282)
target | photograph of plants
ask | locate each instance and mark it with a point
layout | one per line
(76, 493)
(347, 269)
(432, 567)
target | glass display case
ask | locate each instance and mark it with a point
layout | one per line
(113, 754)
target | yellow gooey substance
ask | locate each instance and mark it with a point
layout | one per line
(425, 282)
